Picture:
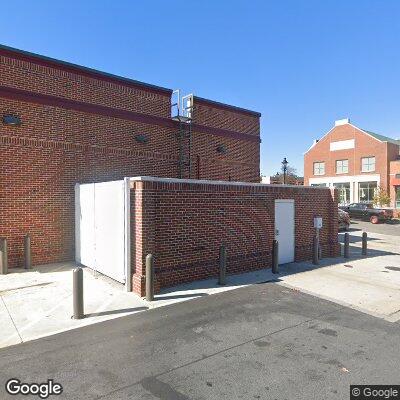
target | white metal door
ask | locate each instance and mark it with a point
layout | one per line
(109, 216)
(100, 228)
(284, 230)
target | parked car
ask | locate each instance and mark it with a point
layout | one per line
(344, 220)
(366, 212)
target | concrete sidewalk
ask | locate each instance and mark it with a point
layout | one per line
(370, 284)
(38, 302)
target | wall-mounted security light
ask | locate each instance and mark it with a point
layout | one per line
(141, 138)
(221, 149)
(11, 120)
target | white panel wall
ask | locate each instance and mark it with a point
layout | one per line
(101, 221)
(109, 215)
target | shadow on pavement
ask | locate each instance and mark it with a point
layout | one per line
(355, 239)
(112, 312)
(354, 253)
(265, 275)
(179, 296)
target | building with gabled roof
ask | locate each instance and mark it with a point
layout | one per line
(356, 161)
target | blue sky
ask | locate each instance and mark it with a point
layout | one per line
(302, 63)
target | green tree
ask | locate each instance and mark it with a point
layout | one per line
(381, 197)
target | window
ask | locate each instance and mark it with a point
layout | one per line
(397, 196)
(344, 192)
(368, 164)
(319, 184)
(319, 168)
(342, 166)
(366, 191)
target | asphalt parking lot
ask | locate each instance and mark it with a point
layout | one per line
(368, 284)
(387, 228)
(261, 342)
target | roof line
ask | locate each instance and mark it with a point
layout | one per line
(381, 138)
(326, 134)
(105, 76)
(365, 132)
(145, 178)
(79, 69)
(389, 140)
(225, 106)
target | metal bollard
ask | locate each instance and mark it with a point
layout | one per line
(222, 265)
(149, 277)
(346, 245)
(364, 244)
(3, 256)
(315, 250)
(77, 291)
(27, 252)
(275, 256)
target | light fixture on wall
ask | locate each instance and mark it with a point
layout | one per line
(141, 138)
(221, 149)
(11, 120)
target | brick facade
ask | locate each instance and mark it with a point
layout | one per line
(79, 125)
(395, 184)
(184, 223)
(366, 144)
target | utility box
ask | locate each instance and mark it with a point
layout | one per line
(318, 222)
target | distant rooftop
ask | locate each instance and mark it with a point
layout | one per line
(382, 138)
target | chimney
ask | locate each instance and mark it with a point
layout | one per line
(342, 121)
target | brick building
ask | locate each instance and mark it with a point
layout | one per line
(184, 222)
(355, 161)
(61, 123)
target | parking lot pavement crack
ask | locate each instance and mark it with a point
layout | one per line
(203, 358)
(11, 318)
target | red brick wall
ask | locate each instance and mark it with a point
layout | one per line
(76, 86)
(57, 146)
(395, 182)
(364, 146)
(185, 223)
(241, 160)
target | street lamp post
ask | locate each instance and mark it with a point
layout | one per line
(284, 167)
